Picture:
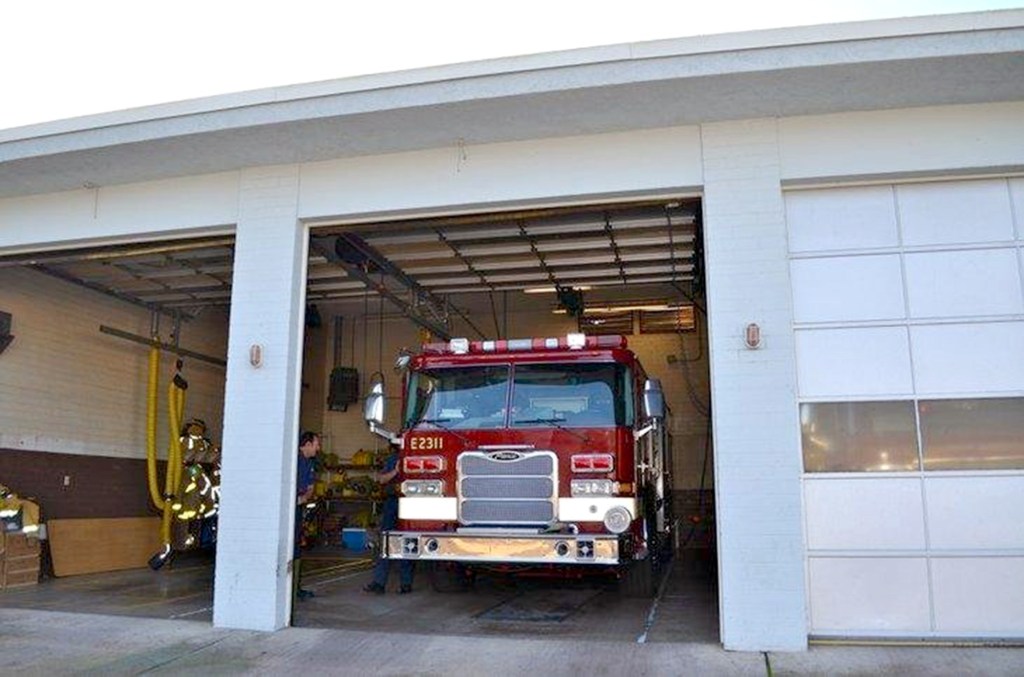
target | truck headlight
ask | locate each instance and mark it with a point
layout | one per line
(617, 519)
(593, 488)
(423, 488)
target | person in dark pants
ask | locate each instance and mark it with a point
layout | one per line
(388, 477)
(309, 446)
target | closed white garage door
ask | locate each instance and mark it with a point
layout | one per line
(909, 318)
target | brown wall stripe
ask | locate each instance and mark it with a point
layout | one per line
(99, 486)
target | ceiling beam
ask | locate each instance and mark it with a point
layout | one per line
(327, 246)
(111, 252)
(515, 235)
(113, 293)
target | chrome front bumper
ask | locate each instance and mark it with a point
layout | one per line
(506, 548)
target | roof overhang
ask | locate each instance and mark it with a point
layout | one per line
(940, 60)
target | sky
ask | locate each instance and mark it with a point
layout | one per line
(67, 58)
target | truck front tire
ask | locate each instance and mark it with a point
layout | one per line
(639, 578)
(448, 577)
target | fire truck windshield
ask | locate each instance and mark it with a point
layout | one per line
(543, 395)
(571, 395)
(461, 398)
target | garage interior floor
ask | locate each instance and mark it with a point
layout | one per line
(684, 611)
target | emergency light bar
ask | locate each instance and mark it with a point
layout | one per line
(462, 346)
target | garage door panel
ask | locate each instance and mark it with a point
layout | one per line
(843, 218)
(948, 284)
(968, 358)
(850, 288)
(954, 212)
(979, 595)
(864, 514)
(845, 362)
(977, 433)
(869, 594)
(975, 513)
(924, 346)
(1017, 198)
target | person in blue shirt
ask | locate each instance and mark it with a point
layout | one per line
(309, 446)
(388, 477)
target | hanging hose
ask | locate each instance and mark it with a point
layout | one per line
(172, 477)
(151, 396)
(168, 502)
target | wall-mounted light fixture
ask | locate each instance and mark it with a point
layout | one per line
(752, 336)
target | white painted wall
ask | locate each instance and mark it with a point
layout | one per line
(169, 208)
(474, 177)
(252, 588)
(943, 140)
(757, 456)
(67, 388)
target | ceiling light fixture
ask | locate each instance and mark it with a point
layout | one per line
(552, 290)
(650, 306)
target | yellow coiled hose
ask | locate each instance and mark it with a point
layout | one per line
(151, 393)
(168, 502)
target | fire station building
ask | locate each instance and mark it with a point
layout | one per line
(841, 209)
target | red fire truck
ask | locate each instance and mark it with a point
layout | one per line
(534, 452)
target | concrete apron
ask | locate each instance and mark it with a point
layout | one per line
(59, 643)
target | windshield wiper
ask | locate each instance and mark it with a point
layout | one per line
(554, 422)
(439, 423)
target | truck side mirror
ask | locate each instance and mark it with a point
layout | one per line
(654, 399)
(373, 407)
(402, 361)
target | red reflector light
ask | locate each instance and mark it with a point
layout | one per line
(592, 463)
(422, 464)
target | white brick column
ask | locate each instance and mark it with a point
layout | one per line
(252, 588)
(757, 457)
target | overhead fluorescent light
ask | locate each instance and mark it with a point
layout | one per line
(552, 290)
(598, 310)
(649, 306)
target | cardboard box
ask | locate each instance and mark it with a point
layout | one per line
(20, 545)
(19, 564)
(17, 572)
(20, 579)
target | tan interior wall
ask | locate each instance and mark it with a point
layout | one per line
(370, 345)
(315, 363)
(67, 388)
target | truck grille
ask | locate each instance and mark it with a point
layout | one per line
(507, 487)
